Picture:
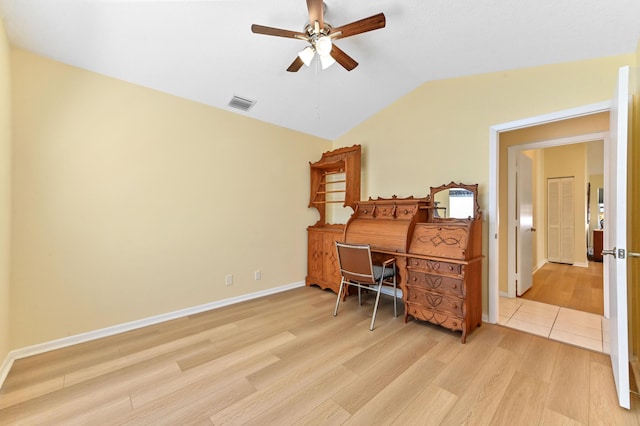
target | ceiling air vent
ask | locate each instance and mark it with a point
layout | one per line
(241, 103)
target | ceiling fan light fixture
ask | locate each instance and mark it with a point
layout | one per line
(323, 46)
(306, 55)
(326, 61)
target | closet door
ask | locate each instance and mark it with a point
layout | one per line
(560, 220)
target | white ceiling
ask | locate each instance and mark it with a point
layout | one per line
(204, 49)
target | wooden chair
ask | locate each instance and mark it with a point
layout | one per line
(357, 269)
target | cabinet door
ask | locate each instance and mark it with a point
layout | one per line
(331, 267)
(315, 255)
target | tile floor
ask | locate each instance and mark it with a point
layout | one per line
(565, 325)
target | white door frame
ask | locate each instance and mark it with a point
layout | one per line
(494, 161)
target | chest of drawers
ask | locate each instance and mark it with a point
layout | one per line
(444, 275)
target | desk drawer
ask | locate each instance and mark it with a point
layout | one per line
(441, 283)
(434, 265)
(436, 301)
(442, 319)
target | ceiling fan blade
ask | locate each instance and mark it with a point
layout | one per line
(295, 65)
(316, 12)
(371, 23)
(342, 58)
(261, 29)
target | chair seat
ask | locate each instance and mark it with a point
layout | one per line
(377, 272)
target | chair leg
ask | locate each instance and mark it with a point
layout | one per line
(359, 295)
(335, 311)
(395, 298)
(375, 306)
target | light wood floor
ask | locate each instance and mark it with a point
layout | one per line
(284, 359)
(568, 286)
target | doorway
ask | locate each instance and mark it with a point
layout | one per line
(498, 228)
(565, 302)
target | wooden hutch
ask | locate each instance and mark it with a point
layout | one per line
(335, 179)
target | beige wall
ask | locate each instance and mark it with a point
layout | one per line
(5, 191)
(130, 203)
(440, 131)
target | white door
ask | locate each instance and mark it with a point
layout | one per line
(524, 207)
(615, 236)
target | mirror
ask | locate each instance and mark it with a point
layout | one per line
(455, 201)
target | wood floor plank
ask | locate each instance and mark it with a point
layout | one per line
(328, 413)
(293, 408)
(30, 391)
(480, 399)
(460, 372)
(540, 359)
(192, 405)
(236, 350)
(220, 373)
(201, 339)
(602, 392)
(391, 401)
(75, 401)
(301, 374)
(376, 372)
(572, 371)
(284, 359)
(551, 417)
(522, 403)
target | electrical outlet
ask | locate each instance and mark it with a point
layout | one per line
(257, 275)
(228, 279)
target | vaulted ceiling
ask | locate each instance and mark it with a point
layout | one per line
(204, 50)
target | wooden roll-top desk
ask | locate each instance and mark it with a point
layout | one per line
(439, 259)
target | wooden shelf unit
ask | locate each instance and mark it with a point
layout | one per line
(343, 163)
(335, 179)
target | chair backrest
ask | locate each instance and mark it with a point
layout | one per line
(355, 262)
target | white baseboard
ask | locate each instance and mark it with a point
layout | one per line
(581, 264)
(539, 265)
(121, 328)
(5, 368)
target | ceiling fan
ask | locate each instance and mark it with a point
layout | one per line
(320, 36)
